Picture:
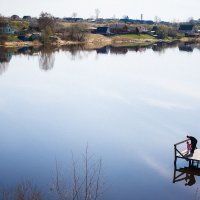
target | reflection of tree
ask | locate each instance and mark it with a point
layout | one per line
(162, 46)
(5, 57)
(3, 67)
(118, 50)
(46, 59)
(75, 51)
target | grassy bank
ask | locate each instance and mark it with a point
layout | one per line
(97, 41)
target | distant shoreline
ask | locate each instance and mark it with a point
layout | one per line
(98, 41)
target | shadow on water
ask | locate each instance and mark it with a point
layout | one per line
(46, 55)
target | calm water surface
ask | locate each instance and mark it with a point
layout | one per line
(128, 105)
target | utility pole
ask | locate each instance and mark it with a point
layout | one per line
(141, 17)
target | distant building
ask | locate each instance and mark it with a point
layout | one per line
(73, 19)
(92, 29)
(141, 29)
(104, 30)
(186, 28)
(118, 28)
(90, 20)
(27, 18)
(6, 28)
(14, 17)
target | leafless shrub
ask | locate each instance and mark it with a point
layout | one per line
(46, 20)
(85, 184)
(23, 191)
(75, 32)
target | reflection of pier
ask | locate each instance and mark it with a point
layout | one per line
(186, 174)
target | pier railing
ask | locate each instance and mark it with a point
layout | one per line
(176, 150)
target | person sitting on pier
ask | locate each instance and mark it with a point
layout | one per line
(193, 143)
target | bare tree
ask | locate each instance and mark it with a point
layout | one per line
(157, 19)
(3, 37)
(97, 12)
(46, 20)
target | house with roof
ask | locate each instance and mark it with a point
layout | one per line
(14, 17)
(72, 19)
(103, 30)
(141, 29)
(187, 29)
(27, 18)
(118, 28)
(6, 28)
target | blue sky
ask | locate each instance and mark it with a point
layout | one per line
(178, 10)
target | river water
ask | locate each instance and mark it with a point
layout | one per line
(128, 106)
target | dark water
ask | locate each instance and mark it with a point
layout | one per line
(129, 105)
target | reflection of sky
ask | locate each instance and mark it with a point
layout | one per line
(129, 109)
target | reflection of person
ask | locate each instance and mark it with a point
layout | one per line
(193, 143)
(191, 179)
(188, 147)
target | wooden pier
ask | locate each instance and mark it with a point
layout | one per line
(186, 174)
(191, 158)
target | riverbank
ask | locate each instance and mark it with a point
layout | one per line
(97, 41)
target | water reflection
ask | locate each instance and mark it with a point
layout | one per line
(161, 46)
(47, 58)
(117, 50)
(46, 54)
(75, 51)
(186, 47)
(186, 175)
(129, 98)
(103, 50)
(28, 50)
(5, 57)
